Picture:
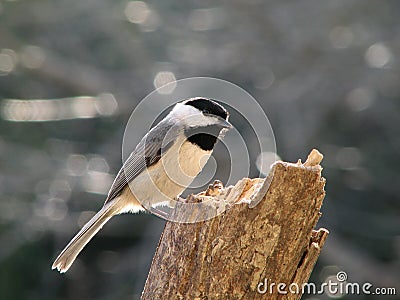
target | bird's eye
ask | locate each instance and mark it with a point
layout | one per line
(206, 111)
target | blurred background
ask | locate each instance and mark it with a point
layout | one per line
(327, 73)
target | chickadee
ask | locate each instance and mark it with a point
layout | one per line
(161, 167)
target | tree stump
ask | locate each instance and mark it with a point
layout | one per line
(239, 253)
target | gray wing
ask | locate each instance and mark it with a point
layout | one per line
(147, 152)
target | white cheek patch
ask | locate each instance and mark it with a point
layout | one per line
(181, 109)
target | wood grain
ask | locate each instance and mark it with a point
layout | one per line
(232, 255)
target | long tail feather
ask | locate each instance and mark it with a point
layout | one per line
(64, 261)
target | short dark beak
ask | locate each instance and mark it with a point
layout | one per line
(224, 123)
(219, 121)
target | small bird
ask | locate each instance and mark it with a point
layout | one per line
(161, 167)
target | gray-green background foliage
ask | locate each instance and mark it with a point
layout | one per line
(327, 73)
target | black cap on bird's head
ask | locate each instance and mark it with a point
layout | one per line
(208, 106)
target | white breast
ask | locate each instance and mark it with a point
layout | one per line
(171, 175)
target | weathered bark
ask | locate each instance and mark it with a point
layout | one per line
(233, 255)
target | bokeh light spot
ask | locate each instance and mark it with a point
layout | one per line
(106, 104)
(331, 293)
(360, 99)
(137, 12)
(60, 189)
(378, 55)
(32, 57)
(264, 80)
(348, 158)
(163, 78)
(55, 209)
(84, 107)
(58, 109)
(98, 164)
(8, 60)
(97, 182)
(76, 164)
